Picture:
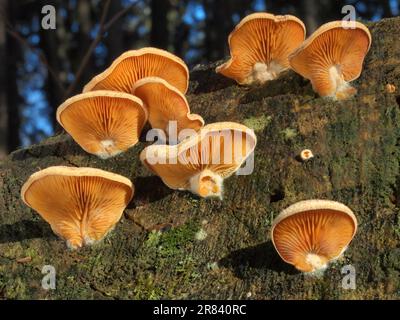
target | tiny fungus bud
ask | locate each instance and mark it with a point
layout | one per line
(390, 88)
(306, 154)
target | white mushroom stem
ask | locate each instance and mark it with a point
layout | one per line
(317, 262)
(343, 89)
(107, 149)
(206, 184)
(262, 72)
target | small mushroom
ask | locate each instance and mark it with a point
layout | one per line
(390, 88)
(332, 57)
(134, 65)
(260, 45)
(311, 233)
(306, 155)
(104, 123)
(165, 103)
(201, 162)
(80, 204)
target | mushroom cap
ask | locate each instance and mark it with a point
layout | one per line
(104, 123)
(133, 65)
(262, 38)
(321, 228)
(331, 45)
(80, 204)
(220, 147)
(166, 103)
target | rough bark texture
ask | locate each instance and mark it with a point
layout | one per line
(356, 147)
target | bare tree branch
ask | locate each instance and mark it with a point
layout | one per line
(103, 28)
(90, 50)
(39, 53)
(118, 15)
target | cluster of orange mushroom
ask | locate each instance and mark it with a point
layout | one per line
(263, 45)
(83, 204)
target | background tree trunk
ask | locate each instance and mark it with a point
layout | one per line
(13, 96)
(3, 81)
(50, 45)
(222, 249)
(159, 36)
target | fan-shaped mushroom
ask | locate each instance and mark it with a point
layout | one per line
(202, 161)
(332, 57)
(165, 103)
(104, 123)
(134, 65)
(309, 234)
(80, 204)
(260, 45)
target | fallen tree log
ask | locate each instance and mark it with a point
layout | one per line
(172, 244)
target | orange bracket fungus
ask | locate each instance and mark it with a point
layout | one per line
(202, 161)
(134, 65)
(311, 233)
(260, 45)
(104, 123)
(165, 103)
(80, 204)
(332, 57)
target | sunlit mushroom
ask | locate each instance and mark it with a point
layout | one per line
(311, 233)
(306, 155)
(165, 103)
(134, 65)
(80, 204)
(201, 162)
(332, 57)
(104, 123)
(260, 45)
(390, 88)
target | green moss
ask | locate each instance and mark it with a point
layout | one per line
(173, 241)
(168, 255)
(289, 133)
(16, 289)
(257, 123)
(146, 288)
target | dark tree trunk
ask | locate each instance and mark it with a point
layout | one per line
(3, 81)
(115, 37)
(218, 24)
(13, 97)
(159, 36)
(84, 40)
(49, 44)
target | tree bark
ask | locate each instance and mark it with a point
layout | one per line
(222, 249)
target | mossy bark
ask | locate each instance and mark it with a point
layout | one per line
(172, 244)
